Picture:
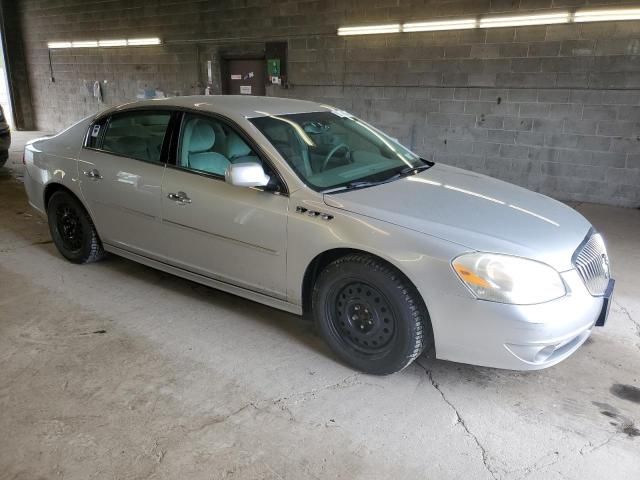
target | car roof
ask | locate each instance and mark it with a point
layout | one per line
(233, 105)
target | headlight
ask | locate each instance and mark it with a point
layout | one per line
(507, 279)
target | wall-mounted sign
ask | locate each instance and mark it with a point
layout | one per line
(236, 77)
(273, 67)
(245, 89)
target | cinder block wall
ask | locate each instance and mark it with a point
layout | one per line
(552, 108)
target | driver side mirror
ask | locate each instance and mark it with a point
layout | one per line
(249, 174)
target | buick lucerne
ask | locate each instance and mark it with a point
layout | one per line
(309, 209)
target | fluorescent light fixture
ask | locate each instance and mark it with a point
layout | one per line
(607, 15)
(371, 29)
(523, 20)
(132, 42)
(112, 43)
(461, 24)
(84, 44)
(498, 21)
(59, 44)
(143, 41)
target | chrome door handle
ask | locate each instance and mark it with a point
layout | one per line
(92, 174)
(180, 198)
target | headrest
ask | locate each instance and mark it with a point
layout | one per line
(202, 138)
(236, 146)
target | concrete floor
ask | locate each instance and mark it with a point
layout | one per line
(117, 371)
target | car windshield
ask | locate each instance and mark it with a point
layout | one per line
(334, 150)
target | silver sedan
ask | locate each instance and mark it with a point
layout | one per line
(306, 208)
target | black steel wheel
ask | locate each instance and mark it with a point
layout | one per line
(361, 316)
(69, 227)
(72, 230)
(370, 315)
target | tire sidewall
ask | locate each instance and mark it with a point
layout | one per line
(392, 286)
(58, 200)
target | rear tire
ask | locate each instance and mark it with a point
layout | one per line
(72, 230)
(370, 315)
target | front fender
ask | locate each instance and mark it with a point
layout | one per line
(423, 259)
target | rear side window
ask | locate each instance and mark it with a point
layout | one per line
(137, 135)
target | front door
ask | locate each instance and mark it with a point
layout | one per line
(233, 234)
(245, 77)
(121, 180)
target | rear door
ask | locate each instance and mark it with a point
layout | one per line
(233, 234)
(121, 170)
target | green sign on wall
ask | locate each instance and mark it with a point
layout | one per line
(273, 67)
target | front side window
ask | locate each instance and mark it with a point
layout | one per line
(137, 135)
(333, 149)
(210, 146)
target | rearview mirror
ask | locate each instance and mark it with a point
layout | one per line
(249, 174)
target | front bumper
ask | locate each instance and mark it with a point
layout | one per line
(518, 337)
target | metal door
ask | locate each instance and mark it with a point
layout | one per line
(245, 77)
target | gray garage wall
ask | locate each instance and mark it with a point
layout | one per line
(556, 108)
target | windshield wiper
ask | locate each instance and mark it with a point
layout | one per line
(363, 184)
(352, 186)
(419, 168)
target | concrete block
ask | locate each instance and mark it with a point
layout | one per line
(543, 154)
(626, 145)
(502, 136)
(485, 51)
(530, 138)
(514, 151)
(572, 80)
(488, 149)
(490, 121)
(559, 140)
(467, 93)
(602, 112)
(586, 97)
(526, 65)
(608, 80)
(624, 176)
(544, 49)
(573, 48)
(590, 142)
(523, 95)
(618, 128)
(629, 113)
(566, 111)
(545, 125)
(583, 127)
(518, 123)
(553, 96)
(442, 93)
(621, 97)
(447, 106)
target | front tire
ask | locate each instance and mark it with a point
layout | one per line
(72, 230)
(370, 315)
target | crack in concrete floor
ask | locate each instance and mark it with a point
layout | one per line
(460, 420)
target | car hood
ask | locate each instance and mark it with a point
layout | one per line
(475, 211)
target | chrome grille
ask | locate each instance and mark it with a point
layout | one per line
(592, 263)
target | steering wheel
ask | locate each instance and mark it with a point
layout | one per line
(331, 154)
